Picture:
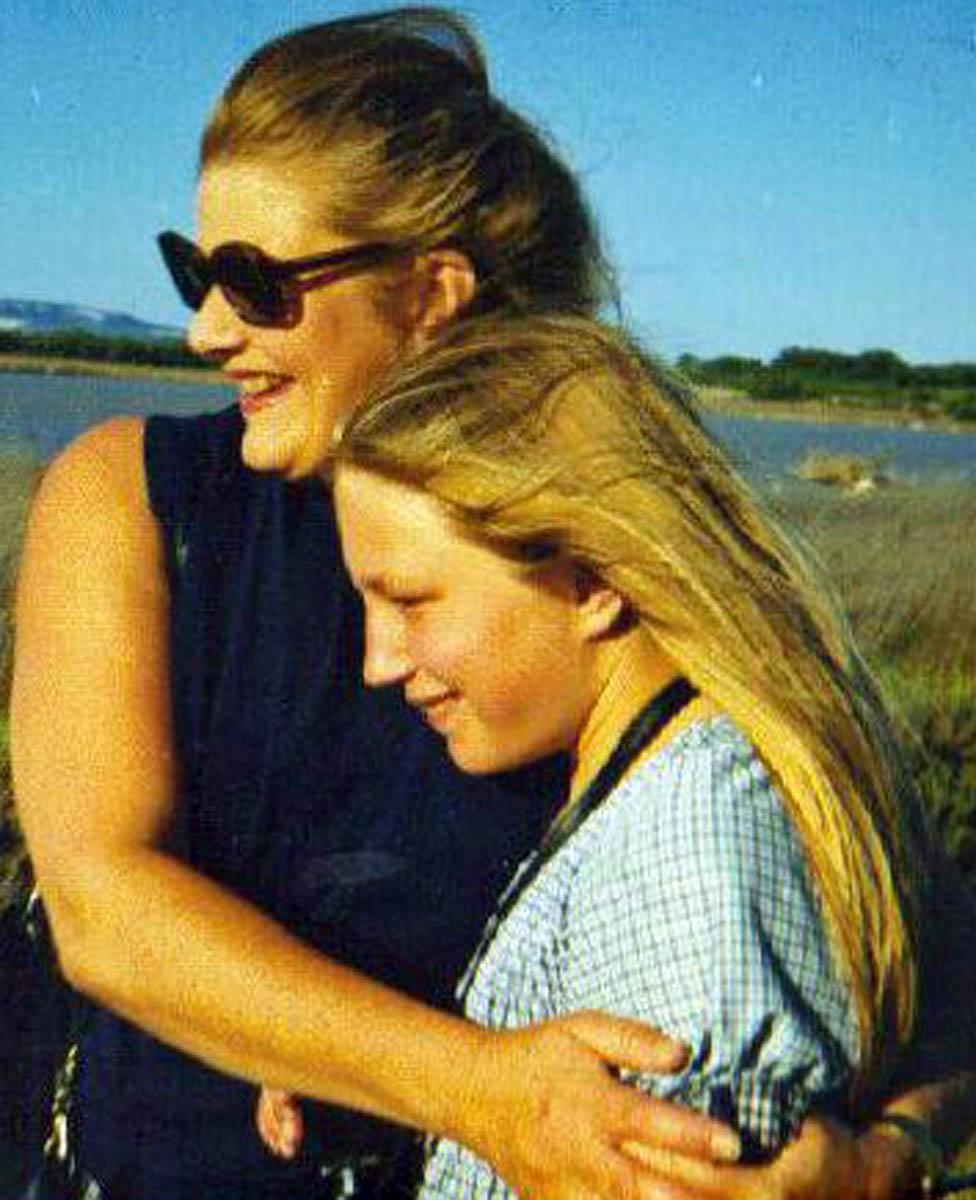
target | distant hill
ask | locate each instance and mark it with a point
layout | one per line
(40, 316)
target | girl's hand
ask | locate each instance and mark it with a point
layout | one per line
(279, 1121)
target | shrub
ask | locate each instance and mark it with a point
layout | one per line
(961, 405)
(841, 470)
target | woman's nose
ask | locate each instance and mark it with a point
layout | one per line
(385, 658)
(215, 329)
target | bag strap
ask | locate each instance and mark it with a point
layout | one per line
(649, 723)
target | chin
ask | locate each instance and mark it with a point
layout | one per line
(487, 760)
(262, 451)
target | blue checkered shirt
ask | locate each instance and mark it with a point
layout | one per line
(685, 901)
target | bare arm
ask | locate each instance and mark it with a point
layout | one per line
(194, 965)
(828, 1161)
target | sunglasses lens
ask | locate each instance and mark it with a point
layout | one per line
(188, 267)
(248, 280)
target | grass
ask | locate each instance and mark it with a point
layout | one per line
(903, 563)
(39, 364)
(903, 560)
(18, 478)
(826, 410)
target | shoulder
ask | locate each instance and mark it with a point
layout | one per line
(693, 854)
(696, 911)
(706, 804)
(91, 510)
(102, 466)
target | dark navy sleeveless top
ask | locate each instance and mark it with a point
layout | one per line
(329, 806)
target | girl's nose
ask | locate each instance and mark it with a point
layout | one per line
(385, 659)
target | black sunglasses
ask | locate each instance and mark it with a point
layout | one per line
(262, 290)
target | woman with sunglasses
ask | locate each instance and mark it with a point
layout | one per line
(227, 829)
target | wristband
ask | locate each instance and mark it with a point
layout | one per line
(927, 1150)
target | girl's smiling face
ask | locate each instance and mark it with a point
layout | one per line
(498, 660)
(294, 385)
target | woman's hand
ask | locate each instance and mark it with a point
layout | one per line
(827, 1161)
(545, 1109)
(557, 1125)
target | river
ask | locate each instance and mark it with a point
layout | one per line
(41, 413)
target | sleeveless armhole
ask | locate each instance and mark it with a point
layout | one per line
(184, 458)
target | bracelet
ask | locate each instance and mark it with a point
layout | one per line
(927, 1150)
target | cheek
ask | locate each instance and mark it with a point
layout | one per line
(512, 661)
(350, 350)
(444, 647)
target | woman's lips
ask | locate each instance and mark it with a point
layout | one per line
(256, 393)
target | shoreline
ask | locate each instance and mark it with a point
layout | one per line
(34, 364)
(818, 412)
(722, 401)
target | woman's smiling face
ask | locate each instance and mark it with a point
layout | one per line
(496, 659)
(294, 385)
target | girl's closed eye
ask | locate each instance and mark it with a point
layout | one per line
(409, 603)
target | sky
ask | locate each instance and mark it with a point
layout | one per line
(766, 174)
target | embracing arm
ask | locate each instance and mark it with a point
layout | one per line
(828, 1160)
(191, 963)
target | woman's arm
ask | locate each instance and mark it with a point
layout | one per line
(140, 932)
(828, 1161)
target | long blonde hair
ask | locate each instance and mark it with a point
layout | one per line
(555, 436)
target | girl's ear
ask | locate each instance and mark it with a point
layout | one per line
(602, 612)
(447, 284)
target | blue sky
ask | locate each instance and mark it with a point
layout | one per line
(771, 173)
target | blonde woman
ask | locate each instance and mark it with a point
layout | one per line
(554, 557)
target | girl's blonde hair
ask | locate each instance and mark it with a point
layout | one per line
(556, 437)
(389, 121)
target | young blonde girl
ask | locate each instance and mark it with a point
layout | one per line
(544, 536)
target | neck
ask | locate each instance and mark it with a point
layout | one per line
(631, 670)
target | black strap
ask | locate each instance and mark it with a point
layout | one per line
(659, 711)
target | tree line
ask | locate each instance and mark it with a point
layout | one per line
(875, 377)
(872, 378)
(97, 347)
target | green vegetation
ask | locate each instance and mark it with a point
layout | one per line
(903, 563)
(874, 379)
(74, 344)
(18, 477)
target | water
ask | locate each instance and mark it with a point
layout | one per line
(770, 449)
(41, 413)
